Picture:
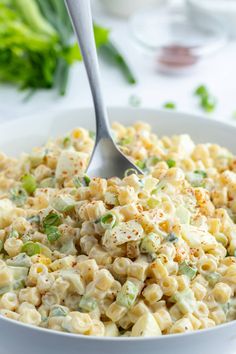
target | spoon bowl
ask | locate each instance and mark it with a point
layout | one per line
(107, 160)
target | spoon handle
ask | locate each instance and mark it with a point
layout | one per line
(80, 14)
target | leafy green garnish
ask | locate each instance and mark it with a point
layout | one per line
(18, 196)
(169, 105)
(29, 183)
(66, 142)
(30, 248)
(171, 163)
(201, 91)
(126, 141)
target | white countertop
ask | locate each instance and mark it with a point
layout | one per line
(217, 72)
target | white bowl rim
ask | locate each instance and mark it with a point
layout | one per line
(54, 112)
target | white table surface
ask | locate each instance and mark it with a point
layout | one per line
(217, 72)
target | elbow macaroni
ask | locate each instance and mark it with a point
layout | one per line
(145, 255)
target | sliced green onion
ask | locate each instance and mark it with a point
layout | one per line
(66, 142)
(152, 202)
(87, 304)
(187, 270)
(126, 141)
(87, 180)
(63, 203)
(141, 164)
(29, 183)
(169, 105)
(201, 172)
(172, 237)
(128, 294)
(201, 91)
(171, 163)
(30, 248)
(53, 234)
(208, 103)
(18, 196)
(108, 221)
(52, 219)
(152, 161)
(130, 171)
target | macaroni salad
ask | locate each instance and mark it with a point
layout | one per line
(145, 255)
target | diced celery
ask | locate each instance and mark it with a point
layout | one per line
(185, 301)
(63, 203)
(183, 214)
(21, 260)
(212, 278)
(58, 310)
(87, 304)
(150, 243)
(128, 294)
(186, 269)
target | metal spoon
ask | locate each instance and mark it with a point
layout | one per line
(107, 160)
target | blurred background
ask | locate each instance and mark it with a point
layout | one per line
(165, 54)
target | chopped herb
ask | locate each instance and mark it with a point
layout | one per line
(29, 183)
(201, 91)
(206, 100)
(169, 105)
(126, 141)
(152, 161)
(141, 164)
(30, 248)
(186, 269)
(171, 163)
(66, 142)
(208, 103)
(18, 195)
(152, 202)
(108, 221)
(130, 171)
(63, 203)
(87, 180)
(171, 237)
(53, 234)
(134, 101)
(52, 219)
(201, 172)
(92, 135)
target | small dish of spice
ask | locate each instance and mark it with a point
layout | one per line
(174, 39)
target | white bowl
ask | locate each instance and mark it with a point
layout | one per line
(21, 135)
